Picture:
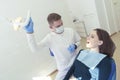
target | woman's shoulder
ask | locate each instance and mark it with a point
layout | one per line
(107, 61)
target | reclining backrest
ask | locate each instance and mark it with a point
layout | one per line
(113, 71)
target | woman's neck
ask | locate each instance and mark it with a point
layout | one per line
(95, 49)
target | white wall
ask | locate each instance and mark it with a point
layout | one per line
(95, 14)
(101, 11)
(17, 62)
(116, 7)
(106, 15)
(111, 16)
(84, 10)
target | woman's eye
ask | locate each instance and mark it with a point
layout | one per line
(92, 36)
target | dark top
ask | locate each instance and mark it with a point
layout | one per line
(78, 69)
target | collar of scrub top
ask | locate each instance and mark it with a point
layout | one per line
(90, 58)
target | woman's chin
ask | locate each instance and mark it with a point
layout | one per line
(88, 46)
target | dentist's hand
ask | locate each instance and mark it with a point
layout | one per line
(29, 27)
(72, 48)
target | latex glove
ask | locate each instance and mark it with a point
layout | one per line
(51, 53)
(29, 26)
(72, 48)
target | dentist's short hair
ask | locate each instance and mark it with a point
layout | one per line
(53, 17)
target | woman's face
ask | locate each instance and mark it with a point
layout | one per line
(93, 41)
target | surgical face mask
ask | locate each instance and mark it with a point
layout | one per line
(59, 30)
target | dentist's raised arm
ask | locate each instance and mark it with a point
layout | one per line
(35, 47)
(29, 26)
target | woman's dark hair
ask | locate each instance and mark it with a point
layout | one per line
(108, 47)
(53, 17)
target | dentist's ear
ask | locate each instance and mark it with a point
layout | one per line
(100, 42)
(51, 28)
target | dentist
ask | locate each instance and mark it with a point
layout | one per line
(61, 41)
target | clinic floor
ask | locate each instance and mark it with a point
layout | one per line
(116, 39)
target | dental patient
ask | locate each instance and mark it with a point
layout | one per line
(96, 62)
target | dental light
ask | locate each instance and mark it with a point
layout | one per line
(20, 22)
